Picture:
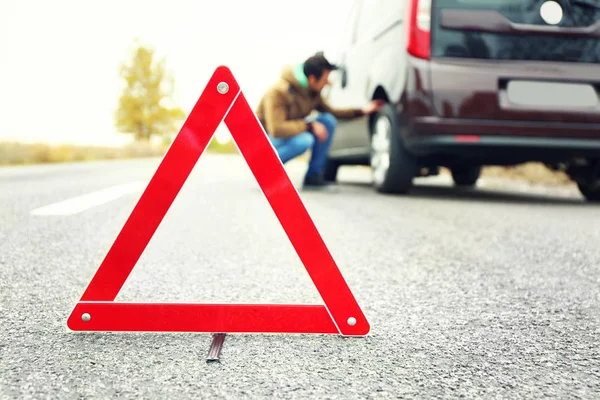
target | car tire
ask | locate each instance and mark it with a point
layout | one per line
(331, 170)
(392, 166)
(466, 175)
(591, 192)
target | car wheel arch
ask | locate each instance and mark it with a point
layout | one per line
(378, 94)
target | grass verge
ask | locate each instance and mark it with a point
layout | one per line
(536, 173)
(15, 153)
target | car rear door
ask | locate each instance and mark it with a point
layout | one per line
(534, 60)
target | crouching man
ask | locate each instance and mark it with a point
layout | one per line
(284, 113)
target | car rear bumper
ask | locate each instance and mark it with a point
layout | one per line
(426, 126)
(502, 142)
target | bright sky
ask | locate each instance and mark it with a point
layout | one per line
(59, 59)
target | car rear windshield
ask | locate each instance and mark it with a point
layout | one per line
(535, 30)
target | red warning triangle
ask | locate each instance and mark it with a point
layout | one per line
(221, 100)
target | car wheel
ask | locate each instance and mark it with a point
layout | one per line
(392, 166)
(331, 170)
(591, 191)
(466, 175)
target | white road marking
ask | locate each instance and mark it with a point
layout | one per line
(84, 202)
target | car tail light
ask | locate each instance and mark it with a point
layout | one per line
(419, 28)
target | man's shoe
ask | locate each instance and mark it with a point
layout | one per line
(315, 182)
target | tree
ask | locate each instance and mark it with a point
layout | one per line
(145, 105)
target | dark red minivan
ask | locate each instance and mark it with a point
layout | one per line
(469, 83)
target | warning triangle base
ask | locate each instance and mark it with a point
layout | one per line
(208, 318)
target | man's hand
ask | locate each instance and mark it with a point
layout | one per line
(373, 107)
(319, 130)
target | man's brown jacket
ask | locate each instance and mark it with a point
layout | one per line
(284, 106)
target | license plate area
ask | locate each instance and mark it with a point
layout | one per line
(551, 95)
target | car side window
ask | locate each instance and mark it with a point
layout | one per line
(344, 40)
(367, 22)
(394, 9)
(350, 23)
(377, 15)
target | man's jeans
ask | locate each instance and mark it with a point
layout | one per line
(292, 147)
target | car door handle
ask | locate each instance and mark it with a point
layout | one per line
(344, 73)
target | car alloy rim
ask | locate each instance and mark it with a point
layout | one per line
(380, 149)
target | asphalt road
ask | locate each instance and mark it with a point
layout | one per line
(488, 293)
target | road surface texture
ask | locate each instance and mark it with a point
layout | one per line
(484, 293)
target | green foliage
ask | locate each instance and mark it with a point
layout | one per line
(145, 106)
(226, 148)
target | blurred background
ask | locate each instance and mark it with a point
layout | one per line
(69, 68)
(63, 92)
